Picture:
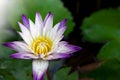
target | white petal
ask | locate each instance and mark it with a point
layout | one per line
(33, 29)
(18, 46)
(25, 34)
(64, 47)
(39, 23)
(39, 69)
(48, 23)
(53, 32)
(58, 30)
(59, 35)
(28, 39)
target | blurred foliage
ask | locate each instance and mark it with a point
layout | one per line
(6, 34)
(110, 50)
(17, 69)
(102, 26)
(5, 52)
(63, 74)
(13, 69)
(109, 70)
(42, 6)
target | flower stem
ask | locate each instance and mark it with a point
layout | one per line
(48, 74)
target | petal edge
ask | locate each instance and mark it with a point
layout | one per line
(23, 55)
(39, 69)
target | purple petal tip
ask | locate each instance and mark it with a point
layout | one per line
(37, 13)
(62, 23)
(8, 44)
(11, 56)
(23, 16)
(77, 48)
(65, 20)
(74, 48)
(25, 21)
(49, 14)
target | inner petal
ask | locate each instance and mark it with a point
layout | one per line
(41, 46)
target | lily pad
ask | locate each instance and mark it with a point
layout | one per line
(17, 69)
(102, 26)
(110, 50)
(63, 74)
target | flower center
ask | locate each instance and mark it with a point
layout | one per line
(41, 45)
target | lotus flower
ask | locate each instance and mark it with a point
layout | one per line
(42, 42)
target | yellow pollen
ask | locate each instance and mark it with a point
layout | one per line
(41, 45)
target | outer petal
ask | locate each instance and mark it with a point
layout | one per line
(33, 29)
(17, 46)
(63, 50)
(62, 23)
(59, 35)
(61, 29)
(39, 23)
(64, 47)
(23, 55)
(25, 21)
(56, 28)
(25, 34)
(48, 23)
(57, 56)
(39, 69)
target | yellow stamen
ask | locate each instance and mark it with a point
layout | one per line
(41, 45)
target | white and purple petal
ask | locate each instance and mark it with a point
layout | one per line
(56, 33)
(26, 38)
(25, 34)
(39, 23)
(62, 23)
(48, 23)
(47, 17)
(17, 46)
(61, 29)
(23, 55)
(62, 50)
(39, 69)
(57, 56)
(33, 29)
(64, 47)
(25, 21)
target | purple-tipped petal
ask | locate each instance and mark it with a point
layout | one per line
(38, 17)
(39, 69)
(62, 23)
(39, 23)
(63, 50)
(73, 48)
(59, 29)
(57, 56)
(23, 55)
(25, 33)
(47, 17)
(64, 47)
(17, 46)
(25, 21)
(48, 24)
